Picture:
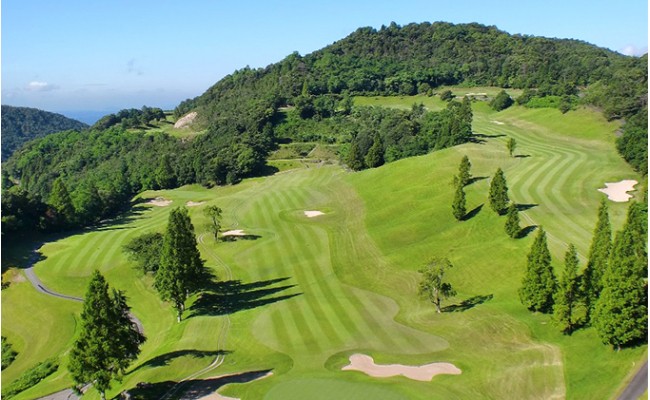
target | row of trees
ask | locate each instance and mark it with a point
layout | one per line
(611, 293)
(110, 340)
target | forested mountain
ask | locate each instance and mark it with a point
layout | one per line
(22, 124)
(309, 98)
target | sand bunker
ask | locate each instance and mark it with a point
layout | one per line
(312, 214)
(617, 191)
(194, 203)
(365, 364)
(159, 202)
(185, 120)
(236, 232)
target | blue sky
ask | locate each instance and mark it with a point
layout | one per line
(72, 55)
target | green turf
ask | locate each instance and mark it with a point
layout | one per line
(320, 289)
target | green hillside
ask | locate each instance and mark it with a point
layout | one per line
(22, 124)
(299, 295)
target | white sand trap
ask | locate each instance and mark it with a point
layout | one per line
(159, 202)
(617, 191)
(194, 203)
(236, 232)
(498, 122)
(365, 364)
(312, 214)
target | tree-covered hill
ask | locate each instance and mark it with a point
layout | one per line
(418, 58)
(309, 98)
(22, 124)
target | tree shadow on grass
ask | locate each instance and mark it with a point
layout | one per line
(526, 231)
(476, 179)
(167, 358)
(524, 207)
(229, 297)
(234, 238)
(191, 389)
(473, 213)
(522, 155)
(467, 304)
(485, 135)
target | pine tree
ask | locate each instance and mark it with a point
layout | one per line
(567, 296)
(181, 267)
(599, 251)
(511, 144)
(464, 174)
(432, 285)
(621, 312)
(498, 197)
(355, 158)
(512, 221)
(109, 341)
(164, 174)
(538, 285)
(375, 156)
(459, 204)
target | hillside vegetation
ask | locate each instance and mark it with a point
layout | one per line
(22, 124)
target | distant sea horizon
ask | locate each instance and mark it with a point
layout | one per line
(86, 116)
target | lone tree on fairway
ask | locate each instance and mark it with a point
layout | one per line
(601, 244)
(512, 221)
(213, 213)
(567, 296)
(498, 197)
(621, 312)
(512, 145)
(432, 285)
(181, 267)
(538, 285)
(109, 340)
(464, 174)
(459, 205)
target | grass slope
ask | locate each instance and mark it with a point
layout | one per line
(306, 293)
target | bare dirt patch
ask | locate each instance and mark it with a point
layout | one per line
(185, 120)
(617, 191)
(312, 214)
(159, 202)
(365, 364)
(194, 203)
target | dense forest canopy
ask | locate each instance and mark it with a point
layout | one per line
(22, 124)
(309, 98)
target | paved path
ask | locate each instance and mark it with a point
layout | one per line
(637, 386)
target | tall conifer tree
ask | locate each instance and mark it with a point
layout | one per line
(181, 267)
(109, 341)
(355, 158)
(538, 285)
(464, 174)
(567, 296)
(375, 156)
(598, 257)
(512, 227)
(459, 205)
(621, 312)
(498, 197)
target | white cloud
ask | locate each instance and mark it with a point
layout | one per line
(631, 50)
(36, 86)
